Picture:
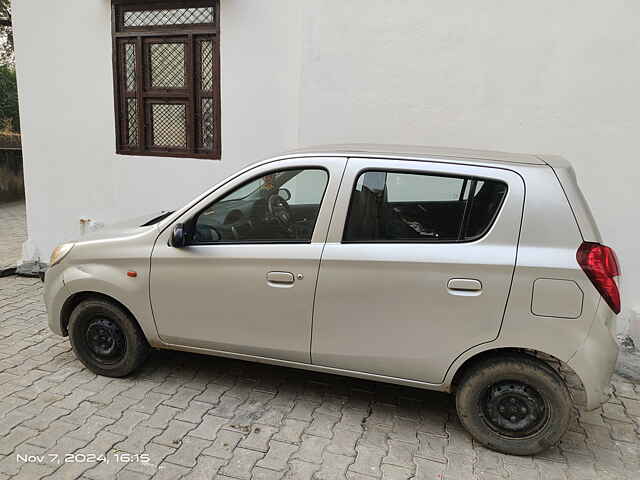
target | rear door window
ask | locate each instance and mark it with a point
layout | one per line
(390, 206)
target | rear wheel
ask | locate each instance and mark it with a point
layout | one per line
(516, 405)
(106, 339)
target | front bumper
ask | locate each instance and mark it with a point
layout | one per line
(55, 294)
(596, 360)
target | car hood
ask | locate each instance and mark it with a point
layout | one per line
(122, 228)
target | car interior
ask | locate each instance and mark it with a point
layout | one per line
(372, 217)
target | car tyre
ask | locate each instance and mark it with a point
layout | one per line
(106, 339)
(516, 405)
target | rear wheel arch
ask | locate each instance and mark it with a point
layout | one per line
(568, 375)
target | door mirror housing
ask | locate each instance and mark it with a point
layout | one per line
(178, 236)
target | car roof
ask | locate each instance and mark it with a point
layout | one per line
(419, 152)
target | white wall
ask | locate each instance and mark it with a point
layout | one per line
(545, 76)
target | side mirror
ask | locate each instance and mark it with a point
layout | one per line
(284, 194)
(178, 236)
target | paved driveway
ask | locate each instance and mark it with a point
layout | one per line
(12, 233)
(198, 417)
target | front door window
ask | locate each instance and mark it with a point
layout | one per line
(279, 207)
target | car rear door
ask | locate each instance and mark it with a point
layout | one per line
(251, 290)
(411, 275)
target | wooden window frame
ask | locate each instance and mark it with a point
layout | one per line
(192, 94)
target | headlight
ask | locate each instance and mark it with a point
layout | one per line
(59, 253)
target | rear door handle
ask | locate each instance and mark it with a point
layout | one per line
(465, 284)
(280, 277)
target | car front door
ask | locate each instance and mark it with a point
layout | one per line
(244, 282)
(417, 267)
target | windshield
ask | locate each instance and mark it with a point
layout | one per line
(257, 187)
(157, 219)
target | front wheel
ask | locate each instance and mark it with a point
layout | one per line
(515, 405)
(106, 339)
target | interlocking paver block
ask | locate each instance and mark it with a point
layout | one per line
(368, 460)
(311, 449)
(258, 438)
(205, 469)
(150, 403)
(208, 428)
(291, 431)
(14, 438)
(128, 422)
(224, 444)
(156, 453)
(173, 435)
(299, 470)
(241, 463)
(322, 425)
(136, 441)
(48, 415)
(161, 416)
(303, 410)
(182, 398)
(48, 438)
(278, 455)
(334, 467)
(400, 453)
(259, 473)
(89, 429)
(194, 412)
(391, 472)
(343, 442)
(226, 407)
(428, 470)
(189, 451)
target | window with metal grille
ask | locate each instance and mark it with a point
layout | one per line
(166, 77)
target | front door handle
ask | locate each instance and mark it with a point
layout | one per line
(465, 284)
(280, 277)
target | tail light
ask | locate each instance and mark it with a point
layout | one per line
(601, 266)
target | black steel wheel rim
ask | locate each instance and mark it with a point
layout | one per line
(105, 340)
(514, 409)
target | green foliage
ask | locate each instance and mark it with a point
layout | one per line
(9, 117)
(6, 33)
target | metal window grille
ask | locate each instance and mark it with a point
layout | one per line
(132, 121)
(207, 124)
(167, 65)
(169, 16)
(169, 125)
(206, 57)
(130, 66)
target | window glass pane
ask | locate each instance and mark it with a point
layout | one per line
(169, 125)
(392, 206)
(407, 188)
(167, 65)
(132, 121)
(207, 124)
(486, 203)
(130, 66)
(206, 65)
(169, 16)
(278, 207)
(306, 188)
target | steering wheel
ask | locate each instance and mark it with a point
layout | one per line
(278, 208)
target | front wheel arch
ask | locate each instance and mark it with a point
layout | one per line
(74, 300)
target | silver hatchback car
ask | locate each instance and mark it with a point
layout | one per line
(461, 271)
